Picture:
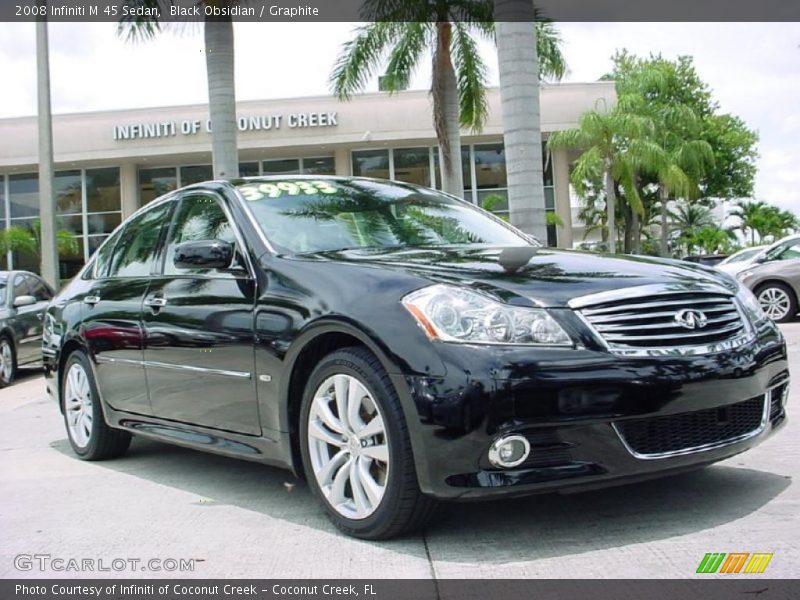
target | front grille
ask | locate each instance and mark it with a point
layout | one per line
(691, 431)
(652, 321)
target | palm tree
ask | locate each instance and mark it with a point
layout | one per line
(219, 51)
(610, 143)
(47, 201)
(750, 213)
(400, 35)
(687, 219)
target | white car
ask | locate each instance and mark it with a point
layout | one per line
(740, 260)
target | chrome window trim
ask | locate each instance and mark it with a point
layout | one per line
(765, 413)
(174, 367)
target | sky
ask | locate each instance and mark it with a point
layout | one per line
(753, 70)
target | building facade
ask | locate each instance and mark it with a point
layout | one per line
(110, 163)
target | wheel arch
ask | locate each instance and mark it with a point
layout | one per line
(315, 343)
(772, 280)
(66, 350)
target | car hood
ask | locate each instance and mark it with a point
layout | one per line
(547, 276)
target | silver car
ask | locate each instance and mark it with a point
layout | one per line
(774, 278)
(23, 300)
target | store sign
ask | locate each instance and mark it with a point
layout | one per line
(162, 129)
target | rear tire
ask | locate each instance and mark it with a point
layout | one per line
(361, 467)
(8, 361)
(778, 301)
(89, 435)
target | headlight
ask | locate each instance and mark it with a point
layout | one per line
(453, 314)
(751, 305)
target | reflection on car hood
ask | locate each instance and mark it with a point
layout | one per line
(548, 276)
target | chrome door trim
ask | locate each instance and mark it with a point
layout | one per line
(174, 367)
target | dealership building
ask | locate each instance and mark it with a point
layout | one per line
(110, 163)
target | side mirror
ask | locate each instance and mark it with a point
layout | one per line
(24, 300)
(204, 254)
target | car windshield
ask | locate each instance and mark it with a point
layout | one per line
(302, 216)
(3, 284)
(743, 255)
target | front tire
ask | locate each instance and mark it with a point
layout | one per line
(8, 361)
(356, 449)
(89, 435)
(778, 302)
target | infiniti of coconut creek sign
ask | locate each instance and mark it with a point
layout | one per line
(159, 129)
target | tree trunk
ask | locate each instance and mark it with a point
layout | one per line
(611, 211)
(518, 67)
(664, 196)
(221, 96)
(636, 233)
(47, 204)
(446, 112)
(627, 237)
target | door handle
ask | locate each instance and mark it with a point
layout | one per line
(155, 301)
(91, 300)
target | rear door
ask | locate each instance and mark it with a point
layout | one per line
(199, 333)
(41, 292)
(112, 324)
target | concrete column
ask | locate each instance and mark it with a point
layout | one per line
(341, 159)
(129, 188)
(561, 188)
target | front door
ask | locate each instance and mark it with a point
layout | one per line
(199, 340)
(26, 321)
(113, 309)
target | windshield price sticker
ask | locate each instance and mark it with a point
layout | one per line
(277, 189)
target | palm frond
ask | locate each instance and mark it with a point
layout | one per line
(471, 75)
(361, 57)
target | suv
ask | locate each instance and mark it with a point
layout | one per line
(395, 345)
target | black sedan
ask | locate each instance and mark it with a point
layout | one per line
(23, 300)
(396, 346)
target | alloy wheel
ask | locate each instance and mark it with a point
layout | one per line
(775, 302)
(78, 405)
(6, 360)
(348, 446)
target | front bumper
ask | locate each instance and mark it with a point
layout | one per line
(593, 419)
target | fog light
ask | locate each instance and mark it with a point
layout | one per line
(509, 451)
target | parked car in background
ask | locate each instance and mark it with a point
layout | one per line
(396, 345)
(740, 260)
(774, 278)
(23, 300)
(708, 260)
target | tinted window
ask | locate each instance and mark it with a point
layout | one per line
(790, 251)
(133, 254)
(198, 218)
(3, 285)
(20, 286)
(103, 258)
(308, 215)
(38, 289)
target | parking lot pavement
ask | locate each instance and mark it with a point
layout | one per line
(241, 519)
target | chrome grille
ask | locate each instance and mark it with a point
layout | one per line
(652, 322)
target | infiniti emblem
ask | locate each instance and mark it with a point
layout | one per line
(689, 318)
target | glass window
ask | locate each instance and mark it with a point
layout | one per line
(289, 166)
(20, 286)
(133, 254)
(23, 195)
(39, 289)
(25, 260)
(103, 222)
(248, 169)
(199, 218)
(371, 163)
(413, 165)
(359, 214)
(2, 199)
(156, 182)
(3, 287)
(319, 166)
(68, 192)
(103, 190)
(71, 223)
(490, 166)
(789, 251)
(103, 259)
(190, 175)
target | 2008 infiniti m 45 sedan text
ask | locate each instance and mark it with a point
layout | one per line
(396, 346)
